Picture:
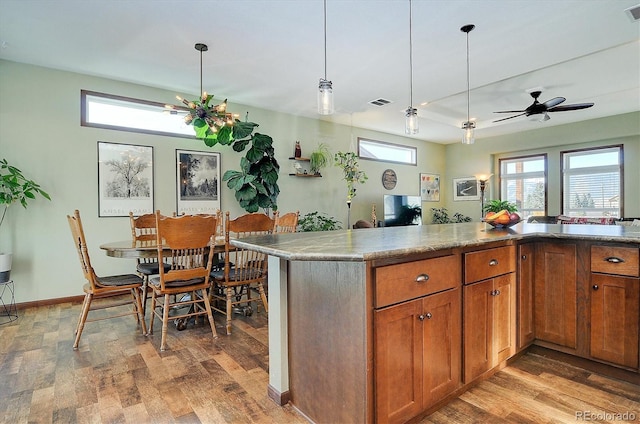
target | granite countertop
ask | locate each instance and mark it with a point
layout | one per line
(376, 243)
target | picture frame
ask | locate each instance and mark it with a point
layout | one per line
(197, 182)
(430, 187)
(125, 179)
(465, 188)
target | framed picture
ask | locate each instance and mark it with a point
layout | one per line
(430, 187)
(198, 182)
(465, 189)
(125, 179)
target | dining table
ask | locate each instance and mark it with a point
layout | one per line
(133, 249)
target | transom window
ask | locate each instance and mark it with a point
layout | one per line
(523, 181)
(126, 114)
(592, 182)
(386, 152)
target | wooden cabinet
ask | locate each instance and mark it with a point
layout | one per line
(615, 304)
(489, 310)
(555, 293)
(525, 294)
(417, 342)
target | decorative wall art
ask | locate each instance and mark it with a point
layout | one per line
(125, 179)
(198, 182)
(430, 187)
(465, 189)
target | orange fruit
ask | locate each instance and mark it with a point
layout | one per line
(503, 219)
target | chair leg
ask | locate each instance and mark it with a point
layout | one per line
(137, 294)
(165, 323)
(205, 299)
(229, 291)
(86, 305)
(152, 314)
(263, 296)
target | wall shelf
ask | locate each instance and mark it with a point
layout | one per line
(308, 174)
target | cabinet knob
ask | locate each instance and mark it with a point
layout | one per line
(494, 292)
(493, 262)
(428, 315)
(422, 278)
(421, 317)
(595, 287)
(523, 257)
(614, 260)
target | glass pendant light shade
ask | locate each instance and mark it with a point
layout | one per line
(411, 124)
(468, 137)
(325, 97)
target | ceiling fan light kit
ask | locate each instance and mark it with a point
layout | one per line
(325, 87)
(468, 137)
(537, 108)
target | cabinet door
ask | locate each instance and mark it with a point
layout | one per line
(441, 345)
(526, 272)
(504, 318)
(398, 362)
(555, 289)
(478, 329)
(614, 319)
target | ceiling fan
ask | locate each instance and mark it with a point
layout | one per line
(548, 106)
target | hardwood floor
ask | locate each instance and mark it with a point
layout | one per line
(120, 376)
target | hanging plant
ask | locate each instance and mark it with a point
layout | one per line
(349, 163)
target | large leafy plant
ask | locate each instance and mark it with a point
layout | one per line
(256, 183)
(15, 187)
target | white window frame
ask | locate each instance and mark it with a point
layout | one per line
(387, 150)
(607, 205)
(108, 111)
(521, 179)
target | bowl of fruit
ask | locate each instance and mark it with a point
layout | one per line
(501, 214)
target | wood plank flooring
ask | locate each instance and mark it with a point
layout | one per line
(120, 376)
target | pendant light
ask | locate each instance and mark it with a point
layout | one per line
(325, 88)
(468, 137)
(411, 123)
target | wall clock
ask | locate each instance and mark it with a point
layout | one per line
(389, 179)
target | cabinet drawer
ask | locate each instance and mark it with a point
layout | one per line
(489, 263)
(615, 260)
(397, 283)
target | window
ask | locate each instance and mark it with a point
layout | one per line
(523, 181)
(127, 114)
(386, 152)
(592, 182)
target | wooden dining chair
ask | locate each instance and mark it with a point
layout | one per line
(287, 223)
(143, 230)
(188, 243)
(244, 269)
(128, 284)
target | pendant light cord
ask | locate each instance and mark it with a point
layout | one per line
(325, 39)
(201, 72)
(468, 82)
(410, 58)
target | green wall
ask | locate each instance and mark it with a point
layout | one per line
(40, 133)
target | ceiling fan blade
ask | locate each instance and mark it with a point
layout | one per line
(575, 106)
(511, 117)
(510, 111)
(554, 102)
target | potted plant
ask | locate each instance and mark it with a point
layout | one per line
(14, 187)
(352, 174)
(319, 158)
(316, 221)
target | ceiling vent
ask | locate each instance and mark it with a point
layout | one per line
(634, 12)
(380, 102)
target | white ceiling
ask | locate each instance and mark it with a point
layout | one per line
(270, 54)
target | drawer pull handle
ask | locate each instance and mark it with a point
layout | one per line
(493, 262)
(422, 278)
(614, 260)
(595, 287)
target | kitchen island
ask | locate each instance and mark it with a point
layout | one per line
(332, 296)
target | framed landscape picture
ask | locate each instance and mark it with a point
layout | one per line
(125, 179)
(465, 189)
(430, 187)
(198, 182)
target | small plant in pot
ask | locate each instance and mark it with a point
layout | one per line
(14, 187)
(319, 158)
